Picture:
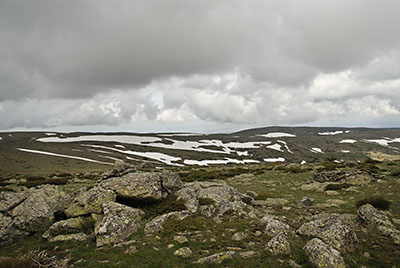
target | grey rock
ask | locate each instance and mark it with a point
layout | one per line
(8, 231)
(181, 239)
(279, 244)
(273, 226)
(9, 200)
(323, 255)
(306, 201)
(156, 224)
(131, 250)
(249, 254)
(90, 201)
(64, 227)
(275, 202)
(217, 258)
(118, 223)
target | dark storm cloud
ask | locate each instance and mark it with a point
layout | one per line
(264, 62)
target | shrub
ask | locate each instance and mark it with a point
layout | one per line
(335, 187)
(376, 201)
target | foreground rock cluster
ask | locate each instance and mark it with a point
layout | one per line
(107, 211)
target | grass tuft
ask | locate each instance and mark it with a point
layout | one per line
(376, 201)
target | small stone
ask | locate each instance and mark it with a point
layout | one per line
(217, 258)
(249, 254)
(212, 239)
(238, 236)
(234, 248)
(323, 255)
(258, 233)
(180, 239)
(171, 245)
(367, 255)
(279, 244)
(329, 192)
(294, 264)
(307, 201)
(131, 250)
(184, 252)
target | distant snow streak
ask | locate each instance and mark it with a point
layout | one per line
(218, 162)
(316, 150)
(273, 160)
(277, 135)
(348, 141)
(63, 155)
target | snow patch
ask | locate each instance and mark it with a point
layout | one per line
(245, 153)
(348, 141)
(63, 155)
(327, 133)
(316, 150)
(218, 162)
(384, 142)
(50, 134)
(273, 160)
(303, 162)
(277, 135)
(276, 147)
(345, 151)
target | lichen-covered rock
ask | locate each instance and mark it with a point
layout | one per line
(249, 254)
(8, 231)
(306, 201)
(70, 237)
(184, 252)
(314, 187)
(371, 215)
(9, 200)
(323, 255)
(144, 185)
(273, 226)
(118, 223)
(217, 258)
(65, 227)
(156, 224)
(225, 198)
(36, 212)
(90, 201)
(279, 244)
(335, 229)
(238, 236)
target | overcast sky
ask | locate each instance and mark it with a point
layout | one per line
(201, 65)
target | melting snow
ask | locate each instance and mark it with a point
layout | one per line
(245, 153)
(303, 162)
(276, 147)
(120, 146)
(316, 150)
(331, 133)
(277, 135)
(63, 155)
(385, 141)
(181, 134)
(348, 141)
(50, 134)
(273, 160)
(345, 151)
(130, 139)
(217, 162)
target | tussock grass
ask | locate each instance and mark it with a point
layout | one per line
(376, 201)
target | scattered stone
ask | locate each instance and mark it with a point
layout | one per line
(217, 258)
(330, 192)
(258, 233)
(249, 254)
(131, 250)
(181, 239)
(171, 245)
(330, 176)
(274, 226)
(234, 248)
(313, 187)
(212, 239)
(184, 252)
(367, 255)
(90, 201)
(69, 226)
(238, 236)
(306, 201)
(323, 255)
(118, 223)
(279, 244)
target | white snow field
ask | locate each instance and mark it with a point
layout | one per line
(277, 135)
(273, 160)
(348, 141)
(316, 150)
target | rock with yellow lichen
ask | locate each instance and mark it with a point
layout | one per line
(322, 255)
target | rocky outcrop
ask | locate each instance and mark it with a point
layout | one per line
(322, 255)
(372, 216)
(225, 199)
(330, 176)
(78, 237)
(184, 252)
(89, 201)
(156, 224)
(118, 223)
(279, 244)
(152, 186)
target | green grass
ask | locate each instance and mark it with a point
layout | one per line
(336, 187)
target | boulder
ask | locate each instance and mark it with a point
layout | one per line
(8, 231)
(9, 200)
(334, 229)
(65, 227)
(314, 187)
(36, 212)
(273, 226)
(118, 223)
(322, 255)
(225, 199)
(279, 244)
(217, 258)
(151, 186)
(306, 201)
(90, 201)
(372, 216)
(249, 254)
(156, 224)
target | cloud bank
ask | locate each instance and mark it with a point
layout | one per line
(113, 63)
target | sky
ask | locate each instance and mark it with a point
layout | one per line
(201, 66)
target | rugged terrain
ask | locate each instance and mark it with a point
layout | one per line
(316, 210)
